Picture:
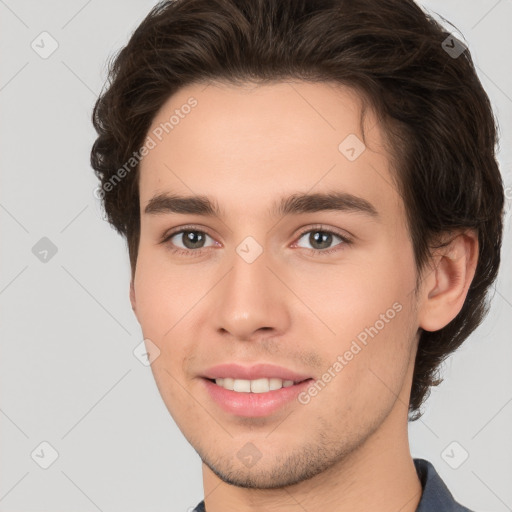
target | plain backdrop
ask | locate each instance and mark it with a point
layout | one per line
(69, 378)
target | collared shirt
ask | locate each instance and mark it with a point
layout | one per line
(435, 497)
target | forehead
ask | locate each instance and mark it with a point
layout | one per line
(246, 144)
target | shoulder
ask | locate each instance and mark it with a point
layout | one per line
(199, 507)
(436, 496)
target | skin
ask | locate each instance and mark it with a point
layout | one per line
(246, 146)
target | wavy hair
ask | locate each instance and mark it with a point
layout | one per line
(437, 119)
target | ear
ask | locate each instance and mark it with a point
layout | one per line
(132, 297)
(445, 287)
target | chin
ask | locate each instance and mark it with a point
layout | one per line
(282, 471)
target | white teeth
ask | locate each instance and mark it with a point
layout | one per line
(242, 385)
(260, 386)
(275, 384)
(253, 386)
(228, 383)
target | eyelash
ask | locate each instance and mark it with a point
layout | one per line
(198, 252)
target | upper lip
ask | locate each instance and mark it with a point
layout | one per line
(256, 371)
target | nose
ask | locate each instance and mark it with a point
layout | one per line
(252, 300)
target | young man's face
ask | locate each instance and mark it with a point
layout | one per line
(257, 287)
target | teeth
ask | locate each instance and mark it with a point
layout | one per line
(253, 386)
(260, 385)
(228, 383)
(241, 385)
(275, 384)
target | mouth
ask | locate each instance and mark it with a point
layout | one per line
(262, 385)
(254, 398)
(262, 389)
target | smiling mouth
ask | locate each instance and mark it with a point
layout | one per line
(263, 385)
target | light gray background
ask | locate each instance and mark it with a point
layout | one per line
(68, 375)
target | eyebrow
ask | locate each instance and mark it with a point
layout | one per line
(294, 204)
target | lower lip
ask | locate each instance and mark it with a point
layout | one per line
(254, 404)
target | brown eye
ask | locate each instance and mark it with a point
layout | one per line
(321, 240)
(192, 239)
(186, 241)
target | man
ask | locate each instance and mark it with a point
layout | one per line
(313, 211)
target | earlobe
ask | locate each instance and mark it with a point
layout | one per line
(445, 289)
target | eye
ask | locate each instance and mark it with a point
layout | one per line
(321, 239)
(192, 241)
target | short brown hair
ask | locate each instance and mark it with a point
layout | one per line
(439, 122)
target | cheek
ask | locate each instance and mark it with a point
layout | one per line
(168, 301)
(164, 292)
(354, 295)
(366, 367)
(369, 310)
(164, 301)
